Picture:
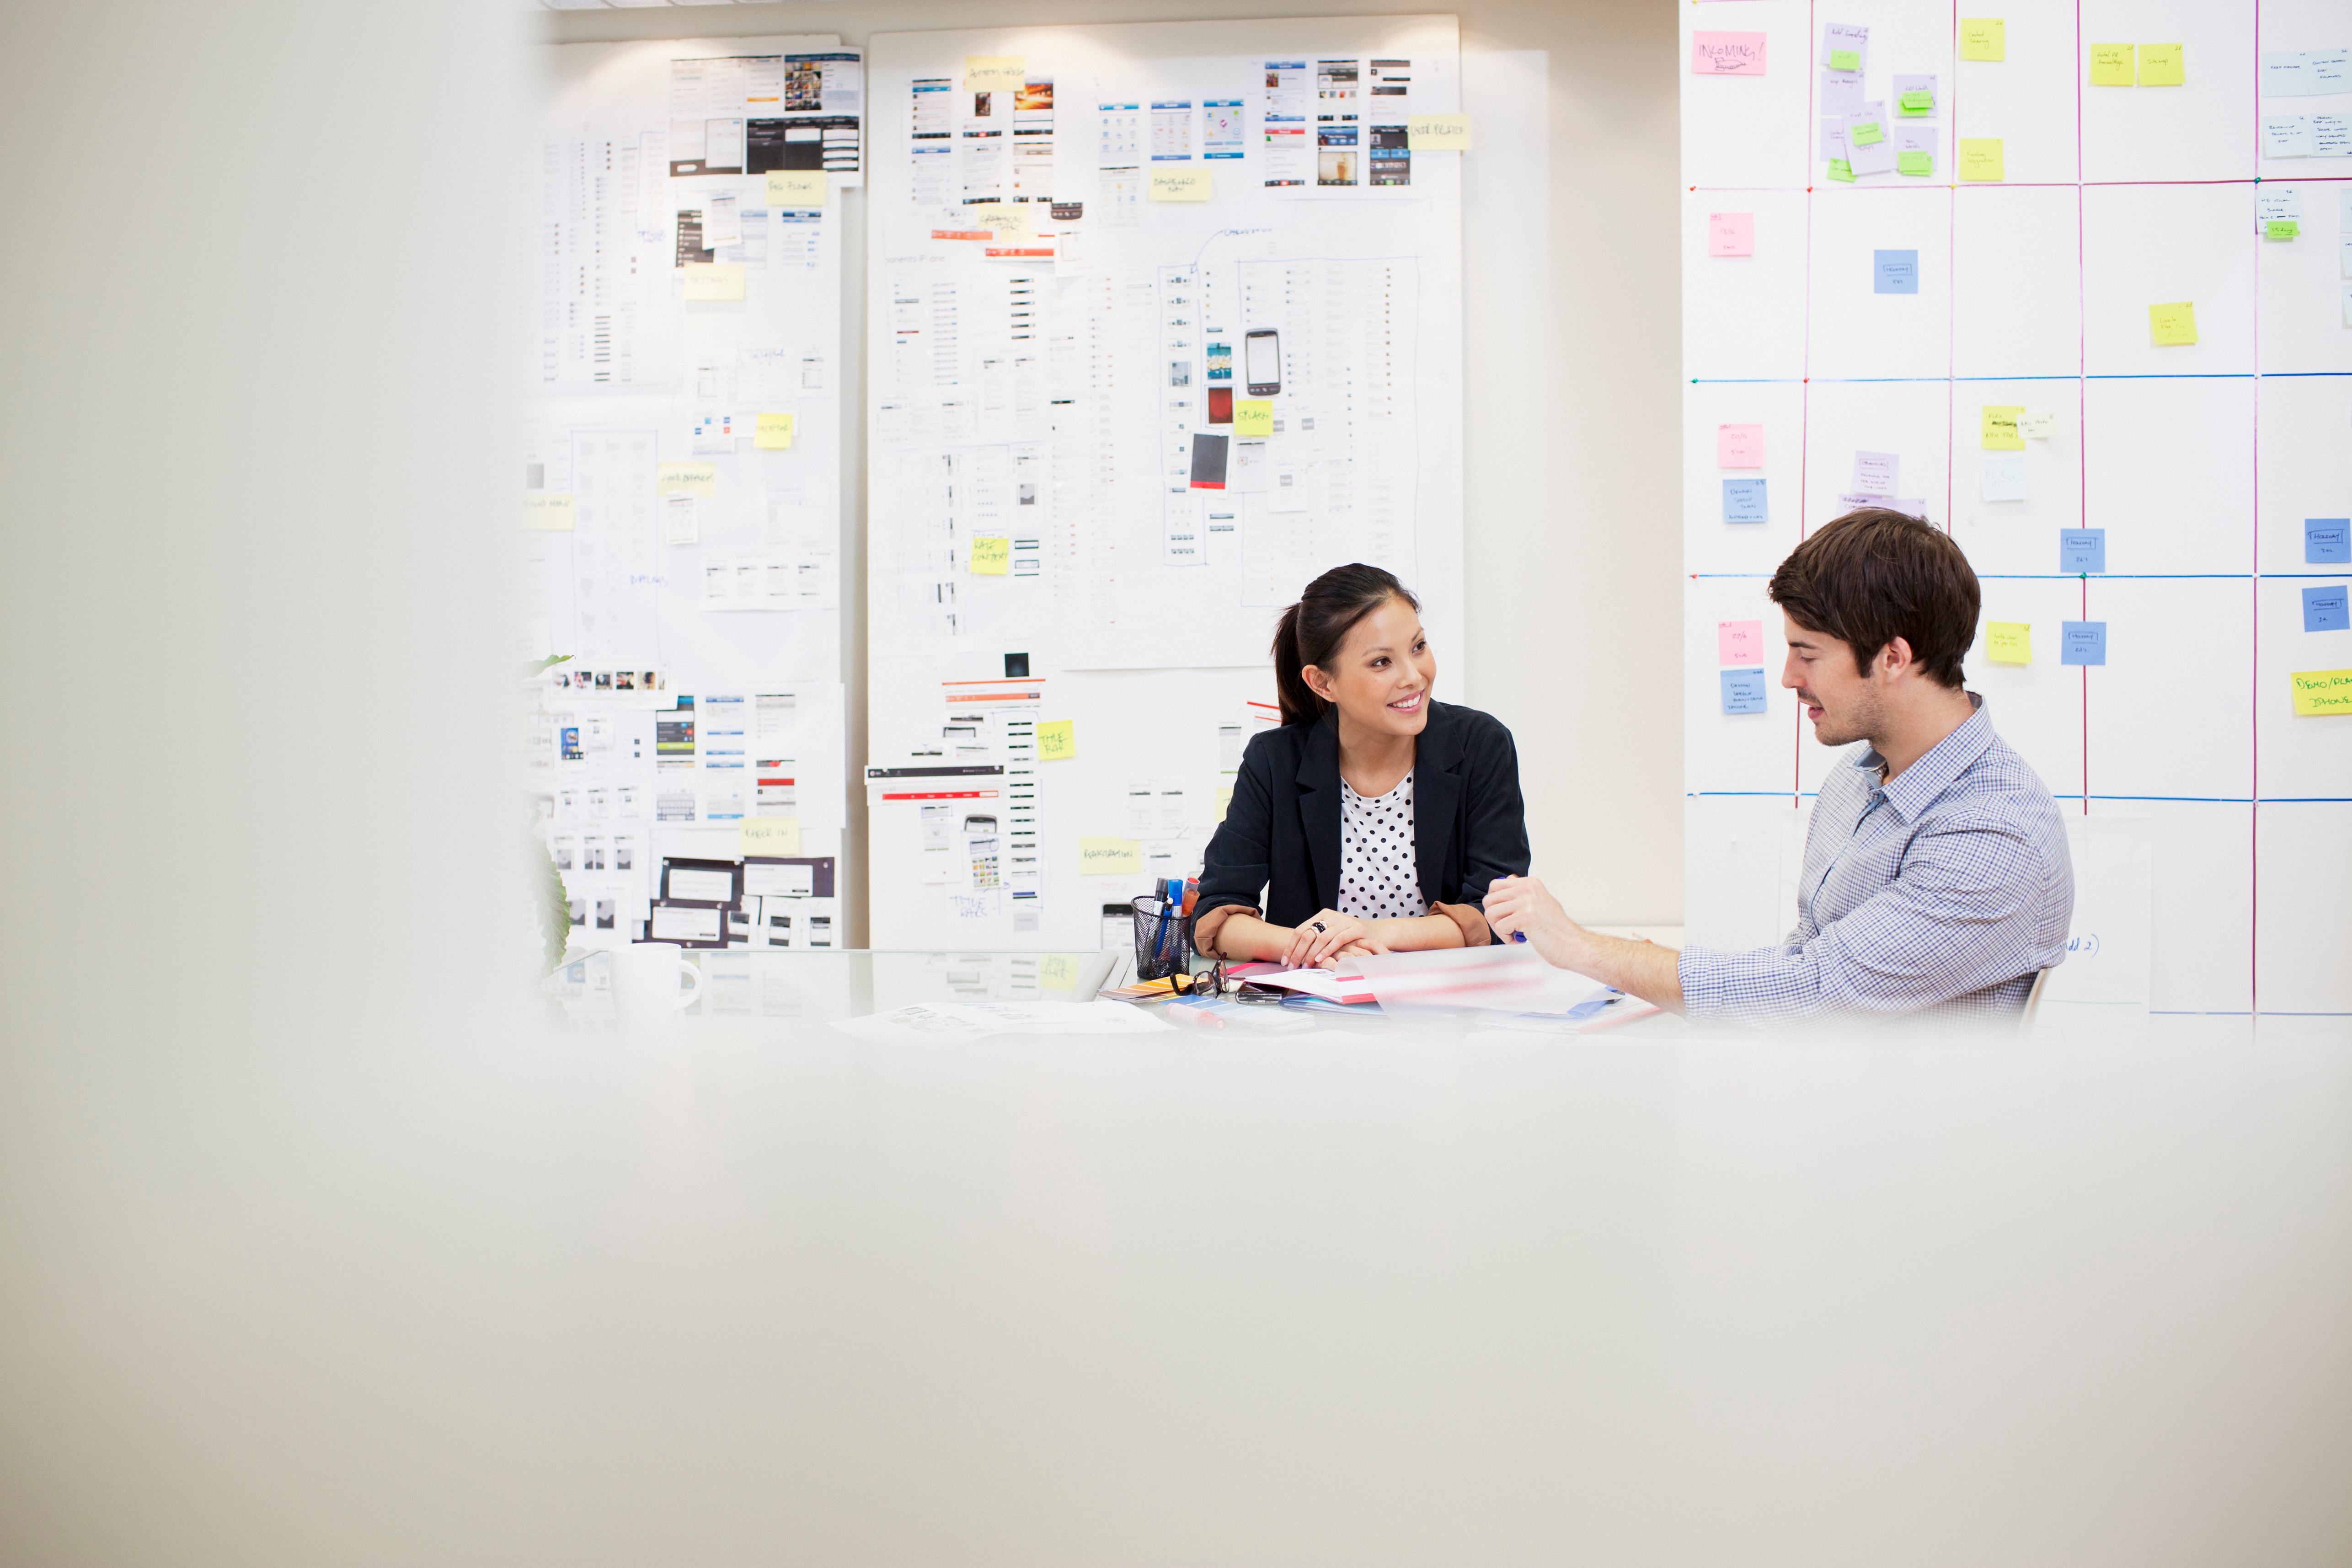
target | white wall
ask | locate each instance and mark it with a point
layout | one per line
(1572, 548)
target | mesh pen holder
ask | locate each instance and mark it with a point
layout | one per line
(1160, 947)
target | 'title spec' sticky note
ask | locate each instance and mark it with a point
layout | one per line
(1732, 234)
(1253, 417)
(1437, 133)
(2326, 539)
(2111, 65)
(2325, 609)
(796, 187)
(2082, 550)
(1984, 38)
(1915, 162)
(1895, 272)
(2173, 325)
(768, 835)
(1726, 54)
(1739, 642)
(1057, 741)
(1997, 427)
(1981, 159)
(1180, 186)
(2161, 65)
(774, 433)
(685, 479)
(2082, 642)
(2320, 692)
(545, 511)
(992, 555)
(1110, 858)
(714, 280)
(2008, 642)
(1743, 501)
(1739, 446)
(987, 73)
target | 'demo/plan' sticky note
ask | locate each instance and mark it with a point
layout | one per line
(1739, 446)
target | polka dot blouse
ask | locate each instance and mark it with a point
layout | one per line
(1377, 879)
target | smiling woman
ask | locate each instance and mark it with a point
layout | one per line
(1373, 819)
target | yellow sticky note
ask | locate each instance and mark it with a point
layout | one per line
(1057, 741)
(768, 835)
(714, 280)
(1998, 429)
(548, 512)
(2161, 65)
(1981, 158)
(1224, 799)
(686, 480)
(2111, 65)
(1253, 417)
(1110, 858)
(774, 433)
(1437, 133)
(796, 187)
(1009, 218)
(2172, 325)
(988, 73)
(992, 555)
(1180, 185)
(2008, 642)
(1057, 972)
(1984, 38)
(2322, 692)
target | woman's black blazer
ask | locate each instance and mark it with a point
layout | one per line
(1281, 832)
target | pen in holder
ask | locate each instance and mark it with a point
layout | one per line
(1160, 949)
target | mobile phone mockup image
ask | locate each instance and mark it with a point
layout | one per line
(1262, 362)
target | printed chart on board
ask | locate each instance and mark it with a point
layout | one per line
(1162, 322)
(681, 507)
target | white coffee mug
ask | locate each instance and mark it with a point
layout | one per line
(644, 982)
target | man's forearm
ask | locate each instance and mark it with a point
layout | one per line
(1642, 969)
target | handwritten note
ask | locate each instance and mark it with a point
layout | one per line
(545, 511)
(1744, 691)
(1877, 473)
(1726, 54)
(2008, 642)
(1915, 162)
(1981, 158)
(2321, 692)
(2038, 425)
(1841, 171)
(2000, 476)
(2111, 65)
(1732, 234)
(2082, 642)
(2161, 65)
(1845, 59)
(1743, 502)
(1997, 427)
(1984, 38)
(989, 73)
(1918, 100)
(1437, 133)
(768, 835)
(2281, 228)
(2082, 550)
(1005, 219)
(1057, 972)
(2326, 539)
(1739, 446)
(796, 187)
(2325, 609)
(1057, 741)
(2173, 325)
(1844, 48)
(1865, 133)
(1180, 186)
(686, 480)
(774, 433)
(1253, 417)
(992, 555)
(1895, 272)
(714, 280)
(1110, 858)
(1739, 642)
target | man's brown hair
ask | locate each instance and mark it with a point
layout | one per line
(1874, 576)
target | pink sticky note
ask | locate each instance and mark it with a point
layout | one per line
(1726, 54)
(1732, 234)
(1739, 642)
(1739, 446)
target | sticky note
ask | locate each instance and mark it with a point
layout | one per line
(1841, 170)
(1437, 133)
(1984, 38)
(1180, 186)
(2172, 326)
(1918, 100)
(1997, 427)
(2082, 550)
(1895, 272)
(1739, 446)
(1057, 741)
(1865, 134)
(1915, 162)
(2320, 692)
(2161, 65)
(1744, 691)
(1726, 54)
(1253, 417)
(2000, 476)
(2325, 609)
(796, 187)
(1739, 642)
(2008, 642)
(1845, 59)
(2082, 642)
(768, 835)
(987, 73)
(686, 480)
(1224, 799)
(2111, 65)
(1110, 858)
(1732, 234)
(1057, 972)
(992, 555)
(1743, 501)
(2326, 539)
(2038, 425)
(1981, 158)
(774, 433)
(1877, 473)
(1006, 219)
(544, 511)
(2281, 228)
(714, 280)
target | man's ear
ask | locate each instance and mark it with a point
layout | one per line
(1895, 656)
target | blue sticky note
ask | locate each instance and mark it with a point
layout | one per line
(2082, 550)
(2326, 539)
(2082, 642)
(2325, 609)
(1744, 691)
(1895, 272)
(1743, 501)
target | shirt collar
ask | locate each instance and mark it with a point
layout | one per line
(1917, 786)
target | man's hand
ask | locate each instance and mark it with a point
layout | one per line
(1517, 905)
(1524, 904)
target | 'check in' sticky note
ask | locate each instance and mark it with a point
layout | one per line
(2161, 65)
(1895, 272)
(685, 479)
(2320, 692)
(1739, 446)
(1180, 186)
(987, 73)
(1739, 642)
(2173, 325)
(1437, 133)
(1726, 54)
(1057, 741)
(2326, 539)
(774, 433)
(992, 555)
(1110, 858)
(713, 280)
(2111, 65)
(1732, 234)
(796, 187)
(1253, 417)
(1743, 501)
(2325, 609)
(1981, 158)
(1998, 429)
(1984, 38)
(545, 511)
(2082, 550)
(768, 835)
(1744, 691)
(2082, 642)
(2008, 642)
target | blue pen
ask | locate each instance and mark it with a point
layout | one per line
(1518, 936)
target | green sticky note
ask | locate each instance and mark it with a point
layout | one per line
(1841, 170)
(2281, 228)
(1918, 100)
(1863, 135)
(1845, 59)
(1914, 163)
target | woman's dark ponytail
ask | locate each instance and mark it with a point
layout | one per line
(1311, 631)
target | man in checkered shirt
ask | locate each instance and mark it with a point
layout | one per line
(1935, 878)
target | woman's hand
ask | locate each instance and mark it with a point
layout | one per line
(1320, 936)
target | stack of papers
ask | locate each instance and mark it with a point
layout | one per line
(964, 1021)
